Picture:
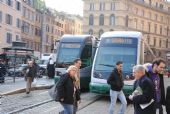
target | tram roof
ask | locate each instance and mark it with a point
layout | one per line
(74, 38)
(122, 34)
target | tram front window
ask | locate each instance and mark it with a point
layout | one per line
(108, 56)
(68, 53)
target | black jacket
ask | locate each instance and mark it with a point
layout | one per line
(161, 86)
(65, 89)
(147, 94)
(168, 100)
(115, 80)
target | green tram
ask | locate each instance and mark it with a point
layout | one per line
(72, 47)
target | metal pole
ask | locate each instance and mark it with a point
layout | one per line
(14, 66)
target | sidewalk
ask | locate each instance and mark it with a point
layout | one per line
(9, 87)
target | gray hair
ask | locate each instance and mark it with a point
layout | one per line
(138, 68)
(71, 68)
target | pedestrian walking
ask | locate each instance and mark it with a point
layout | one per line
(143, 92)
(30, 74)
(66, 90)
(36, 68)
(155, 72)
(50, 68)
(2, 71)
(115, 80)
(77, 63)
(168, 100)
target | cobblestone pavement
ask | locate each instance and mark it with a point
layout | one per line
(91, 103)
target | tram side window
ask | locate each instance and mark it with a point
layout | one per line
(86, 56)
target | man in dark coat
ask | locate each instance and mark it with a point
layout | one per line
(2, 72)
(155, 72)
(143, 92)
(50, 68)
(168, 100)
(115, 80)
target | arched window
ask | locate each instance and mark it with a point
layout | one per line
(91, 19)
(100, 32)
(112, 19)
(127, 21)
(101, 19)
(91, 32)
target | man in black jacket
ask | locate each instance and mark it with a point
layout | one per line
(143, 94)
(115, 80)
(155, 73)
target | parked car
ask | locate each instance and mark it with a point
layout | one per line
(20, 70)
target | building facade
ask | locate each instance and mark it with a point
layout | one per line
(151, 17)
(10, 24)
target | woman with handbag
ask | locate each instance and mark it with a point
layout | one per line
(66, 90)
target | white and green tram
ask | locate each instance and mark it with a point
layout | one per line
(126, 46)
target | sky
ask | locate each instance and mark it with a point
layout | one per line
(69, 6)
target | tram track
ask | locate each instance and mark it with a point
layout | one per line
(49, 101)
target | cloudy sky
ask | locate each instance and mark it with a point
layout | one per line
(69, 6)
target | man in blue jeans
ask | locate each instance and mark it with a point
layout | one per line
(115, 80)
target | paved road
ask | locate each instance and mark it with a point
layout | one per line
(39, 102)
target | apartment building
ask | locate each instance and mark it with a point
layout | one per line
(151, 17)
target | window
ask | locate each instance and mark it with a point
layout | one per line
(18, 5)
(166, 43)
(91, 32)
(150, 2)
(167, 31)
(156, 16)
(9, 2)
(91, 7)
(160, 42)
(25, 27)
(143, 13)
(91, 19)
(24, 11)
(155, 28)
(8, 19)
(18, 23)
(149, 26)
(8, 38)
(101, 19)
(0, 16)
(127, 21)
(161, 6)
(112, 6)
(154, 43)
(100, 32)
(150, 15)
(112, 19)
(17, 38)
(102, 6)
(168, 9)
(142, 25)
(160, 29)
(162, 19)
(135, 23)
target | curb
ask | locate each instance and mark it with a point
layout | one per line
(22, 90)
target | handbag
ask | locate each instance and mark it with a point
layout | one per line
(53, 93)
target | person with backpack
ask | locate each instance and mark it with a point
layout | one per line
(66, 90)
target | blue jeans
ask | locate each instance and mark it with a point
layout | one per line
(113, 96)
(68, 109)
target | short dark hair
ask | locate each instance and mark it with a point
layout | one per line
(158, 61)
(119, 62)
(76, 60)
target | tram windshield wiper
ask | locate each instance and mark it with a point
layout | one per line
(107, 65)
